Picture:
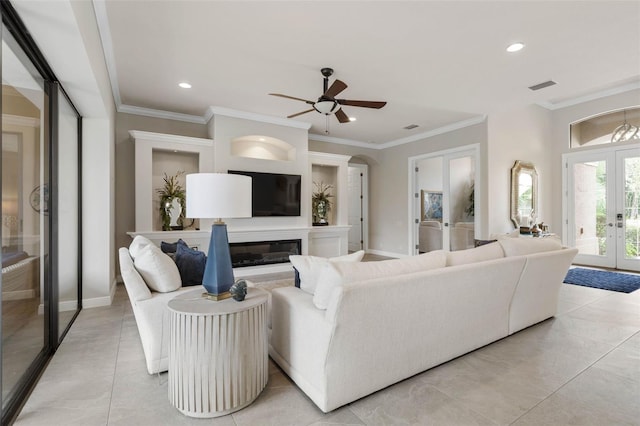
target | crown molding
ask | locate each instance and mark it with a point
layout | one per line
(157, 113)
(586, 98)
(228, 112)
(413, 138)
(438, 131)
(102, 19)
(18, 120)
(140, 135)
(341, 141)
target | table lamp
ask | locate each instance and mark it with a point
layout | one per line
(217, 196)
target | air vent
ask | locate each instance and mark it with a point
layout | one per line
(542, 85)
(410, 126)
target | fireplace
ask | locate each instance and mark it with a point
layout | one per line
(257, 253)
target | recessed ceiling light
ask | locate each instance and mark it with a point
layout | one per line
(185, 85)
(515, 47)
(352, 119)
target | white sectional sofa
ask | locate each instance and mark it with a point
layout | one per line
(386, 321)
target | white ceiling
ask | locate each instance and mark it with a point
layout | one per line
(436, 63)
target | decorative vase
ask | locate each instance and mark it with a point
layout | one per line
(321, 213)
(173, 210)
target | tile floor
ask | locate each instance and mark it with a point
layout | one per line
(580, 368)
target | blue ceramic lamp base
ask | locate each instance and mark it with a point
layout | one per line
(218, 271)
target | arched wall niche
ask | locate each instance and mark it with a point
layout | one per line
(262, 147)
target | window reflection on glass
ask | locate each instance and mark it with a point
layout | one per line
(24, 206)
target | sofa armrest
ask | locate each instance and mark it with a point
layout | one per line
(136, 287)
(300, 336)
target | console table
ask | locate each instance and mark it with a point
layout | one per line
(218, 352)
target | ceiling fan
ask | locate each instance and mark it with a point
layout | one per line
(327, 103)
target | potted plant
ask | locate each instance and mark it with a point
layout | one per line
(321, 204)
(172, 202)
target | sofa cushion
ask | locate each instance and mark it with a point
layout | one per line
(190, 263)
(523, 246)
(157, 269)
(138, 243)
(309, 267)
(485, 252)
(336, 274)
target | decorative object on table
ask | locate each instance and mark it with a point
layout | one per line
(217, 196)
(430, 205)
(39, 196)
(172, 201)
(239, 290)
(321, 204)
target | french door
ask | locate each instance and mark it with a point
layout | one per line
(603, 207)
(444, 200)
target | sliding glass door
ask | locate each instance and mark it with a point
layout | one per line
(41, 219)
(604, 207)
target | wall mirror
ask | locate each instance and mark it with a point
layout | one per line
(524, 194)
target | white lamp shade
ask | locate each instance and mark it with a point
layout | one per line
(218, 196)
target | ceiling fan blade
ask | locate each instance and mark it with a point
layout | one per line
(363, 104)
(341, 116)
(300, 113)
(337, 87)
(292, 97)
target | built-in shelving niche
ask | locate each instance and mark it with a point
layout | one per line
(168, 163)
(263, 148)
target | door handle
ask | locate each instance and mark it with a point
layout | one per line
(446, 224)
(610, 224)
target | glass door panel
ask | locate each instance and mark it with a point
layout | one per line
(24, 215)
(68, 212)
(628, 211)
(460, 210)
(591, 233)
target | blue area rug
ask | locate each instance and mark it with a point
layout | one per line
(614, 281)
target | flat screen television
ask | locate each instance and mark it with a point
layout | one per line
(273, 194)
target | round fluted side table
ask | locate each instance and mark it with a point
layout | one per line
(218, 353)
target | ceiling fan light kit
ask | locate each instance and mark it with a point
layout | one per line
(326, 107)
(327, 104)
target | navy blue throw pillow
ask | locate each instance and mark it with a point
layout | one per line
(296, 277)
(170, 247)
(190, 264)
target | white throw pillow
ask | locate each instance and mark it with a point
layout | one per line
(138, 243)
(478, 254)
(524, 246)
(335, 274)
(309, 267)
(157, 269)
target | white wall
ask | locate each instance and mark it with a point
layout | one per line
(520, 134)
